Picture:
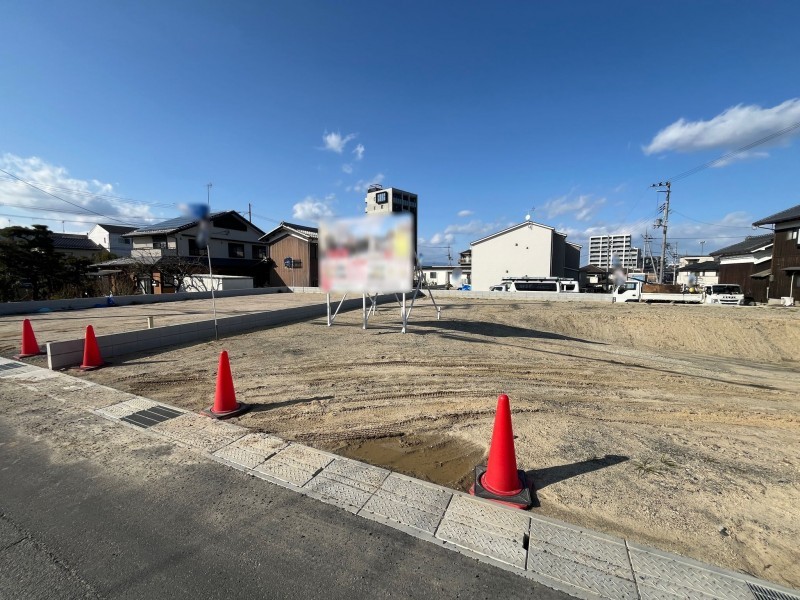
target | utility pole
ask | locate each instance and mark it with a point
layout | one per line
(663, 224)
(249, 212)
(208, 193)
(702, 244)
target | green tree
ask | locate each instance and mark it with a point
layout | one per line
(28, 263)
(30, 269)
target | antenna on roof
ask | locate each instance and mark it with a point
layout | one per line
(529, 216)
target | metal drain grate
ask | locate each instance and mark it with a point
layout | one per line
(150, 416)
(8, 366)
(762, 593)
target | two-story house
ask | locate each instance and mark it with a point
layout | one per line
(784, 279)
(112, 238)
(233, 244)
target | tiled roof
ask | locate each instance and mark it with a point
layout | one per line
(785, 215)
(749, 244)
(593, 269)
(73, 241)
(311, 233)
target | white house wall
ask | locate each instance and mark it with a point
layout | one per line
(113, 242)
(522, 252)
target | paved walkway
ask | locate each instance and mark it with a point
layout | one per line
(579, 562)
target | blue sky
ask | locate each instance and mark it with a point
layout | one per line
(486, 110)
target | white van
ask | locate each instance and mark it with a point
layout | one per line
(536, 284)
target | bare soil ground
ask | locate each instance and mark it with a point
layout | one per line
(676, 426)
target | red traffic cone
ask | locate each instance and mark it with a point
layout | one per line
(29, 345)
(91, 352)
(500, 480)
(225, 404)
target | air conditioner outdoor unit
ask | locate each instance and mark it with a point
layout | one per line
(787, 301)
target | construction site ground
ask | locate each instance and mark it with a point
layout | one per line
(675, 426)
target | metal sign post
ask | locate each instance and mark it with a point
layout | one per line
(289, 264)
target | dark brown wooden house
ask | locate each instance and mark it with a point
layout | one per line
(785, 276)
(747, 263)
(293, 255)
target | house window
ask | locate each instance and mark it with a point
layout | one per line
(791, 234)
(126, 241)
(433, 274)
(259, 252)
(195, 250)
(159, 241)
(235, 250)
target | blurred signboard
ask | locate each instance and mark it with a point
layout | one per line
(372, 254)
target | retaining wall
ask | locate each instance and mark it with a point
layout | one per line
(20, 308)
(70, 352)
(521, 296)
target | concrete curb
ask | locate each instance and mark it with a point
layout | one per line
(581, 562)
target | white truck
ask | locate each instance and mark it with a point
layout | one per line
(635, 291)
(537, 284)
(724, 293)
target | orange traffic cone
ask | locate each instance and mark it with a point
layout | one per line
(91, 352)
(29, 345)
(225, 404)
(500, 480)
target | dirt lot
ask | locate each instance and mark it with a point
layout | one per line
(676, 426)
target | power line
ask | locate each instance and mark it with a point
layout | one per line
(712, 224)
(732, 153)
(62, 211)
(37, 218)
(60, 198)
(86, 193)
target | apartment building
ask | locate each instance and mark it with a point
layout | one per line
(606, 251)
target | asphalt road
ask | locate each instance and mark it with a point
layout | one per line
(90, 509)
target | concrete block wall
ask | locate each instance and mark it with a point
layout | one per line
(522, 296)
(70, 352)
(21, 308)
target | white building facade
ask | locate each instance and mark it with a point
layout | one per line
(111, 237)
(606, 250)
(524, 250)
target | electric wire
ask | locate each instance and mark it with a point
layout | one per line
(732, 153)
(62, 199)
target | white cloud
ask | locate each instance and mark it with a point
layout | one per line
(313, 209)
(465, 213)
(442, 238)
(347, 168)
(581, 208)
(474, 227)
(362, 184)
(359, 151)
(84, 194)
(733, 127)
(463, 233)
(335, 142)
(740, 156)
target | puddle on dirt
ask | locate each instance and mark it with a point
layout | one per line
(449, 462)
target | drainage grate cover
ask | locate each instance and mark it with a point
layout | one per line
(762, 593)
(9, 366)
(150, 416)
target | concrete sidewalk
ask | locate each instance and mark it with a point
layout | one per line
(576, 561)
